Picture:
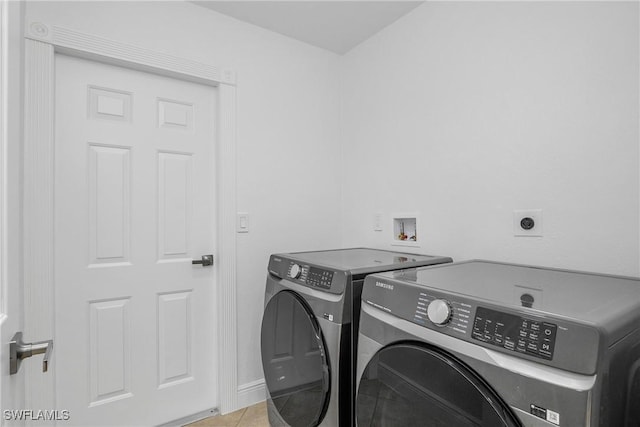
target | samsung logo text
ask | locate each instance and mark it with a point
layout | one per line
(384, 285)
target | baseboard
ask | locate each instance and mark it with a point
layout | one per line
(248, 394)
(251, 393)
(191, 418)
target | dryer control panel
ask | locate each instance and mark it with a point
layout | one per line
(308, 275)
(515, 333)
(518, 331)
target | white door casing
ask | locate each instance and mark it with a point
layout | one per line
(133, 206)
(42, 44)
(11, 307)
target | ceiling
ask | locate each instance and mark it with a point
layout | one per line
(337, 26)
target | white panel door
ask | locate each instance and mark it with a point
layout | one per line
(135, 320)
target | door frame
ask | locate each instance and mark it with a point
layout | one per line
(11, 310)
(42, 43)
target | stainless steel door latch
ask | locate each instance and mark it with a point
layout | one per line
(205, 261)
(19, 350)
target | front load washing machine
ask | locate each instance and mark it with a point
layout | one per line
(312, 305)
(489, 344)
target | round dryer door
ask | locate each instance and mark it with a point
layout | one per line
(294, 360)
(412, 384)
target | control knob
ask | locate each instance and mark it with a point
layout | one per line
(439, 312)
(295, 271)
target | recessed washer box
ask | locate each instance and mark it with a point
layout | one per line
(405, 230)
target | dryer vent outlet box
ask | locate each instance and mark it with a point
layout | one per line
(405, 230)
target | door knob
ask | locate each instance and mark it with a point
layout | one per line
(205, 261)
(19, 350)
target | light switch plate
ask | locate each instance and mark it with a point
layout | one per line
(242, 222)
(377, 221)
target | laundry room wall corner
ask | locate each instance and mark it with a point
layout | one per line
(486, 108)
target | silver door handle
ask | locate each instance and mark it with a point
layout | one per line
(205, 261)
(19, 350)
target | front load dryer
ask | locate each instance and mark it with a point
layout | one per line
(312, 305)
(489, 344)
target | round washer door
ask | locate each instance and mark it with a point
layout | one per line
(295, 363)
(412, 384)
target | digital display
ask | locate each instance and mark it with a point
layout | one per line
(515, 333)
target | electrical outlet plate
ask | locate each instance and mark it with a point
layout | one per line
(519, 215)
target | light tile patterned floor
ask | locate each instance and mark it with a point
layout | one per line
(253, 416)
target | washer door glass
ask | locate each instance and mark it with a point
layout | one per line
(417, 385)
(294, 359)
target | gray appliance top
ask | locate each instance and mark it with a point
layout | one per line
(364, 261)
(602, 300)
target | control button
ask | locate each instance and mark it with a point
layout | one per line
(439, 312)
(488, 326)
(295, 271)
(545, 354)
(478, 325)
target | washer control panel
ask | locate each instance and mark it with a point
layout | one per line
(500, 327)
(311, 276)
(458, 316)
(515, 333)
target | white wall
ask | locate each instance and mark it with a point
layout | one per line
(464, 112)
(288, 141)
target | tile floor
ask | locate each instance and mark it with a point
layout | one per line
(253, 416)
